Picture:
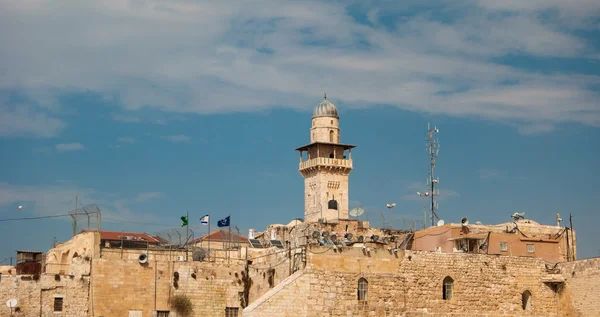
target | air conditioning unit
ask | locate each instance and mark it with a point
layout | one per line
(180, 258)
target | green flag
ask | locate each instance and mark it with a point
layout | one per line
(185, 221)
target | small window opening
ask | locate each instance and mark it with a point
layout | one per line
(332, 204)
(503, 246)
(330, 155)
(331, 121)
(331, 136)
(530, 248)
(447, 288)
(363, 287)
(58, 304)
(231, 311)
(162, 313)
(526, 300)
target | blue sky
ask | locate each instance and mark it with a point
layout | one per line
(149, 108)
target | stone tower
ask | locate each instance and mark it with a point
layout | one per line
(325, 167)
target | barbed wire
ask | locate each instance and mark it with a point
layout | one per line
(34, 218)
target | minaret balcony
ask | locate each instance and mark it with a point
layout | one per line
(326, 162)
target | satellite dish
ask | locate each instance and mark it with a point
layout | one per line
(355, 212)
(143, 258)
(11, 303)
(385, 240)
(316, 234)
(348, 236)
(333, 237)
(464, 221)
(325, 234)
(374, 238)
(440, 222)
(361, 239)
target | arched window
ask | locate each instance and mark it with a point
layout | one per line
(332, 204)
(447, 288)
(363, 287)
(330, 155)
(526, 300)
(331, 136)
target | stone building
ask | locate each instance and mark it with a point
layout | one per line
(326, 168)
(522, 237)
(327, 265)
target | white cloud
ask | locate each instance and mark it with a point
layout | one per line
(535, 128)
(44, 200)
(126, 140)
(126, 118)
(69, 147)
(176, 138)
(488, 173)
(147, 196)
(24, 121)
(59, 199)
(189, 57)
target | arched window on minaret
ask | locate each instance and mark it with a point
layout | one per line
(331, 136)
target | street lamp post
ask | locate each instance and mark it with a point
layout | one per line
(424, 196)
(390, 206)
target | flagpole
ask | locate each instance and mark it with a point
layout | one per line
(187, 234)
(208, 236)
(229, 248)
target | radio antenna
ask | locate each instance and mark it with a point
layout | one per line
(433, 148)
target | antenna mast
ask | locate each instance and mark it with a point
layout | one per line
(433, 147)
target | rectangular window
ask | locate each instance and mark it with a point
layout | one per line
(503, 246)
(135, 313)
(530, 248)
(162, 313)
(58, 304)
(231, 311)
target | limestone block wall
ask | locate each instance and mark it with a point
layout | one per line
(60, 258)
(582, 287)
(35, 295)
(274, 303)
(120, 286)
(410, 284)
(321, 187)
(322, 127)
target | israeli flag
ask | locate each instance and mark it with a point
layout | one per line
(204, 220)
(223, 222)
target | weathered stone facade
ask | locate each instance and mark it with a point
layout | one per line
(410, 283)
(326, 168)
(36, 294)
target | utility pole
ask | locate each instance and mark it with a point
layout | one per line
(433, 149)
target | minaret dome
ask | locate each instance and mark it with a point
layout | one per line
(325, 109)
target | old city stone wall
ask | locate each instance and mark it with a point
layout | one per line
(411, 283)
(581, 292)
(35, 294)
(121, 286)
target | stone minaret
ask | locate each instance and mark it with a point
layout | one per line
(325, 167)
